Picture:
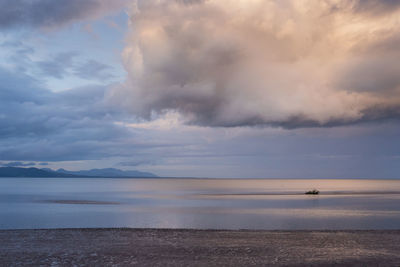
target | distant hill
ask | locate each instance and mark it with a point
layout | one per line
(46, 172)
(29, 172)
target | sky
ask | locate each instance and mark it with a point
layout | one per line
(202, 88)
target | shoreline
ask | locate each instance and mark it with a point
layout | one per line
(183, 247)
(148, 229)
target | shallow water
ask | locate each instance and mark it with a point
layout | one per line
(199, 203)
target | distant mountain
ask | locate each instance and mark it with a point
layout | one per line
(30, 172)
(109, 172)
(46, 172)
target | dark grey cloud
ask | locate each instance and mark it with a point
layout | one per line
(370, 8)
(40, 125)
(77, 124)
(18, 164)
(21, 88)
(50, 13)
(375, 7)
(139, 162)
(373, 114)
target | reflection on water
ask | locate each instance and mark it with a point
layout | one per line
(199, 203)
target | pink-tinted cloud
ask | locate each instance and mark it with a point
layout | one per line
(263, 62)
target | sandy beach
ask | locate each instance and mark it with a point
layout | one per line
(157, 247)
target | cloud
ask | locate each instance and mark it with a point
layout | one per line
(50, 14)
(40, 125)
(238, 63)
(78, 129)
(93, 69)
(66, 64)
(58, 66)
(18, 164)
(136, 163)
(375, 7)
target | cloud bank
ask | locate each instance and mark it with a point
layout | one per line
(263, 62)
(40, 125)
(17, 164)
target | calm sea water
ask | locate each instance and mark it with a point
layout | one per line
(199, 203)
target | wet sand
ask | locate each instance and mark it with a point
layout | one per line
(152, 247)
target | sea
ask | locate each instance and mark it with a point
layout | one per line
(270, 204)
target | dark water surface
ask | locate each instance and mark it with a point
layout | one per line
(199, 203)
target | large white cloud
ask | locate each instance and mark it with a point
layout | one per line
(286, 63)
